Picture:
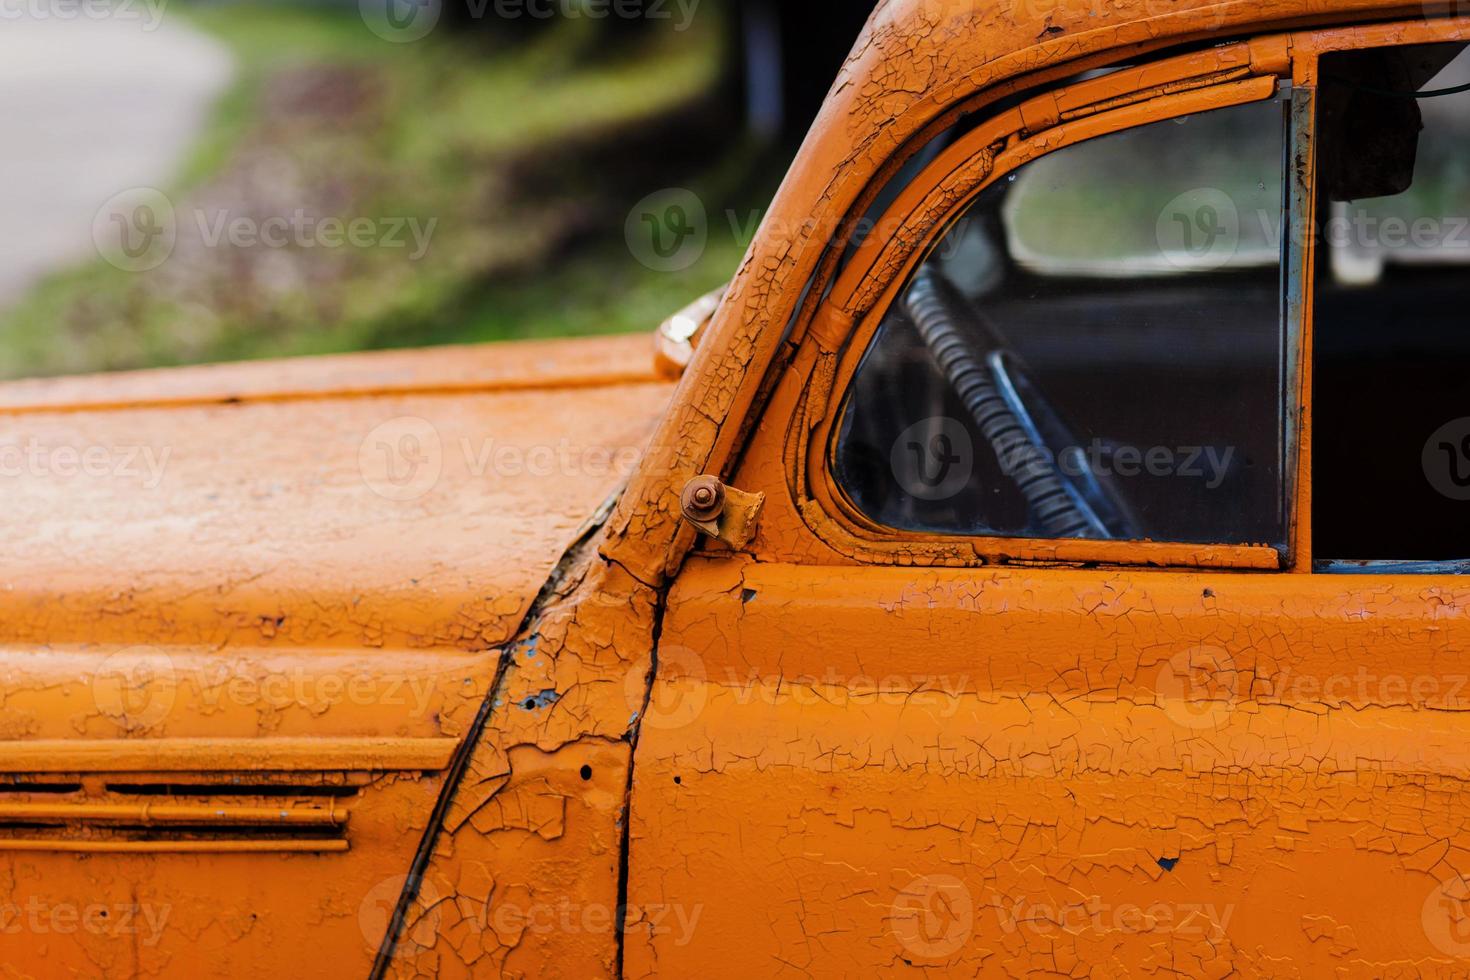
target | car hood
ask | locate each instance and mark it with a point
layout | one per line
(411, 503)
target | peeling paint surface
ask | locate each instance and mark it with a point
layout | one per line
(538, 821)
(1056, 772)
(451, 716)
(282, 631)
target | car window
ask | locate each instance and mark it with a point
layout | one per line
(1391, 433)
(1094, 350)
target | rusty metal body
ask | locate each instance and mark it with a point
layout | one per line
(425, 664)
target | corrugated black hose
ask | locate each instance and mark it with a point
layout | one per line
(932, 305)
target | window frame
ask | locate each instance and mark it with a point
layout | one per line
(848, 317)
(1308, 49)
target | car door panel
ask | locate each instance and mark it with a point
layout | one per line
(1022, 770)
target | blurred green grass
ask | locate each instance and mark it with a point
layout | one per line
(511, 148)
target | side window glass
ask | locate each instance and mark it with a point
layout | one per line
(1391, 398)
(1095, 350)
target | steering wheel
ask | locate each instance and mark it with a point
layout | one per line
(1098, 497)
(1035, 447)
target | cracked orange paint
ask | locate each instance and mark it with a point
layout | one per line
(271, 620)
(520, 720)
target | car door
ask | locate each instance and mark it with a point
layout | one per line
(1032, 666)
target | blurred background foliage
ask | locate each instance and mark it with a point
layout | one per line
(526, 140)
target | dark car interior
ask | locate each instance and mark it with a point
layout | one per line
(1393, 343)
(1047, 320)
(1160, 385)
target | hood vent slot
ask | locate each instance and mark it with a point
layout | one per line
(178, 817)
(228, 789)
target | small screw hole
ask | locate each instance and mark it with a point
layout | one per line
(586, 773)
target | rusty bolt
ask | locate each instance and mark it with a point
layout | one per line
(703, 499)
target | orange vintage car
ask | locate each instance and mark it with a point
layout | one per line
(1046, 559)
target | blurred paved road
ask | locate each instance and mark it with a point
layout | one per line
(88, 108)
